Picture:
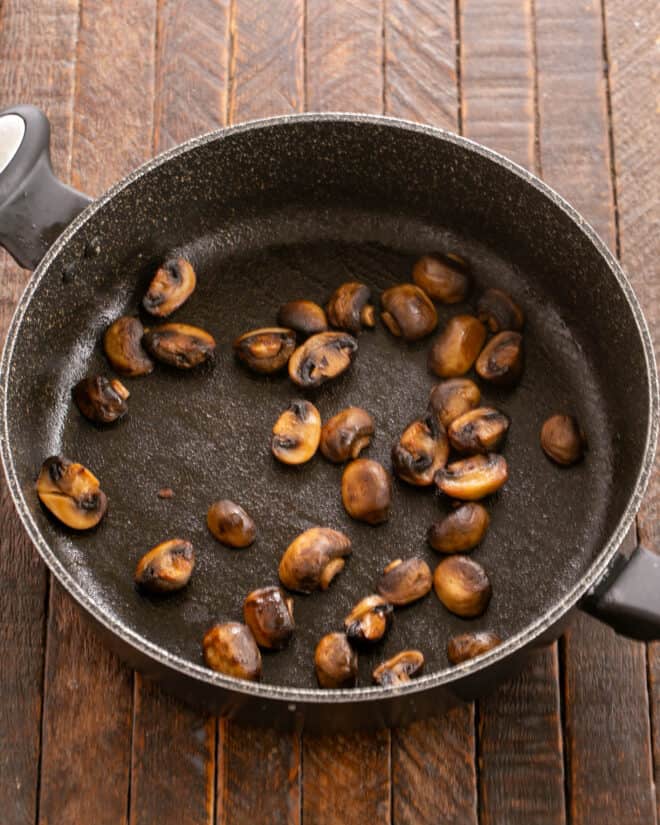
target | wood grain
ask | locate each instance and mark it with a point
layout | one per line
(36, 44)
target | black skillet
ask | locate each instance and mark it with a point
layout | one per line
(289, 208)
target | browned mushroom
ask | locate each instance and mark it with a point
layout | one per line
(481, 430)
(399, 669)
(172, 285)
(453, 398)
(458, 345)
(297, 433)
(462, 586)
(179, 345)
(166, 567)
(473, 478)
(122, 343)
(313, 559)
(269, 615)
(562, 439)
(349, 308)
(304, 317)
(230, 524)
(101, 399)
(230, 648)
(321, 358)
(405, 581)
(71, 493)
(336, 662)
(408, 312)
(501, 360)
(468, 645)
(461, 530)
(421, 451)
(346, 434)
(366, 490)
(265, 350)
(369, 620)
(499, 311)
(443, 279)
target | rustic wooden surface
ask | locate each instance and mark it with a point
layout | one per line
(566, 89)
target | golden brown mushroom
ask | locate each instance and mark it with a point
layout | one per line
(501, 360)
(562, 439)
(71, 493)
(408, 312)
(468, 645)
(321, 358)
(473, 478)
(421, 451)
(481, 430)
(269, 615)
(230, 524)
(179, 345)
(499, 311)
(265, 350)
(172, 285)
(462, 586)
(313, 559)
(304, 317)
(443, 279)
(297, 433)
(366, 490)
(369, 620)
(335, 662)
(399, 669)
(346, 434)
(405, 581)
(122, 343)
(452, 398)
(457, 347)
(461, 530)
(349, 308)
(230, 648)
(167, 567)
(101, 399)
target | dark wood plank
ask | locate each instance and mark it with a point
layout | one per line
(88, 692)
(36, 44)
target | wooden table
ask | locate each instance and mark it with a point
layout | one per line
(563, 87)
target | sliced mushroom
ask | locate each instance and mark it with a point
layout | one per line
(366, 490)
(321, 358)
(468, 645)
(265, 350)
(442, 279)
(421, 451)
(336, 662)
(453, 398)
(179, 345)
(481, 430)
(122, 343)
(369, 620)
(349, 308)
(562, 439)
(499, 311)
(462, 586)
(172, 285)
(101, 399)
(473, 478)
(230, 648)
(408, 312)
(313, 559)
(166, 567)
(297, 433)
(346, 434)
(405, 581)
(230, 524)
(461, 530)
(458, 345)
(399, 669)
(304, 317)
(269, 615)
(71, 493)
(501, 360)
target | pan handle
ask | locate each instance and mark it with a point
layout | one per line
(34, 205)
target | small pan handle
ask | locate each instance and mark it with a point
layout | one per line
(34, 205)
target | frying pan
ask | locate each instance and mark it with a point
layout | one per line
(288, 208)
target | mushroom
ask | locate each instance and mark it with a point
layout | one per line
(269, 615)
(454, 397)
(346, 434)
(399, 669)
(473, 478)
(101, 399)
(421, 451)
(499, 311)
(349, 308)
(461, 530)
(336, 662)
(442, 279)
(296, 433)
(462, 586)
(71, 493)
(501, 360)
(456, 348)
(369, 620)
(122, 343)
(230, 648)
(230, 524)
(481, 430)
(179, 345)
(304, 317)
(405, 581)
(172, 285)
(313, 559)
(366, 490)
(166, 567)
(321, 358)
(408, 312)
(265, 350)
(562, 439)
(468, 645)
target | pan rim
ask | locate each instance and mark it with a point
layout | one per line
(450, 674)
